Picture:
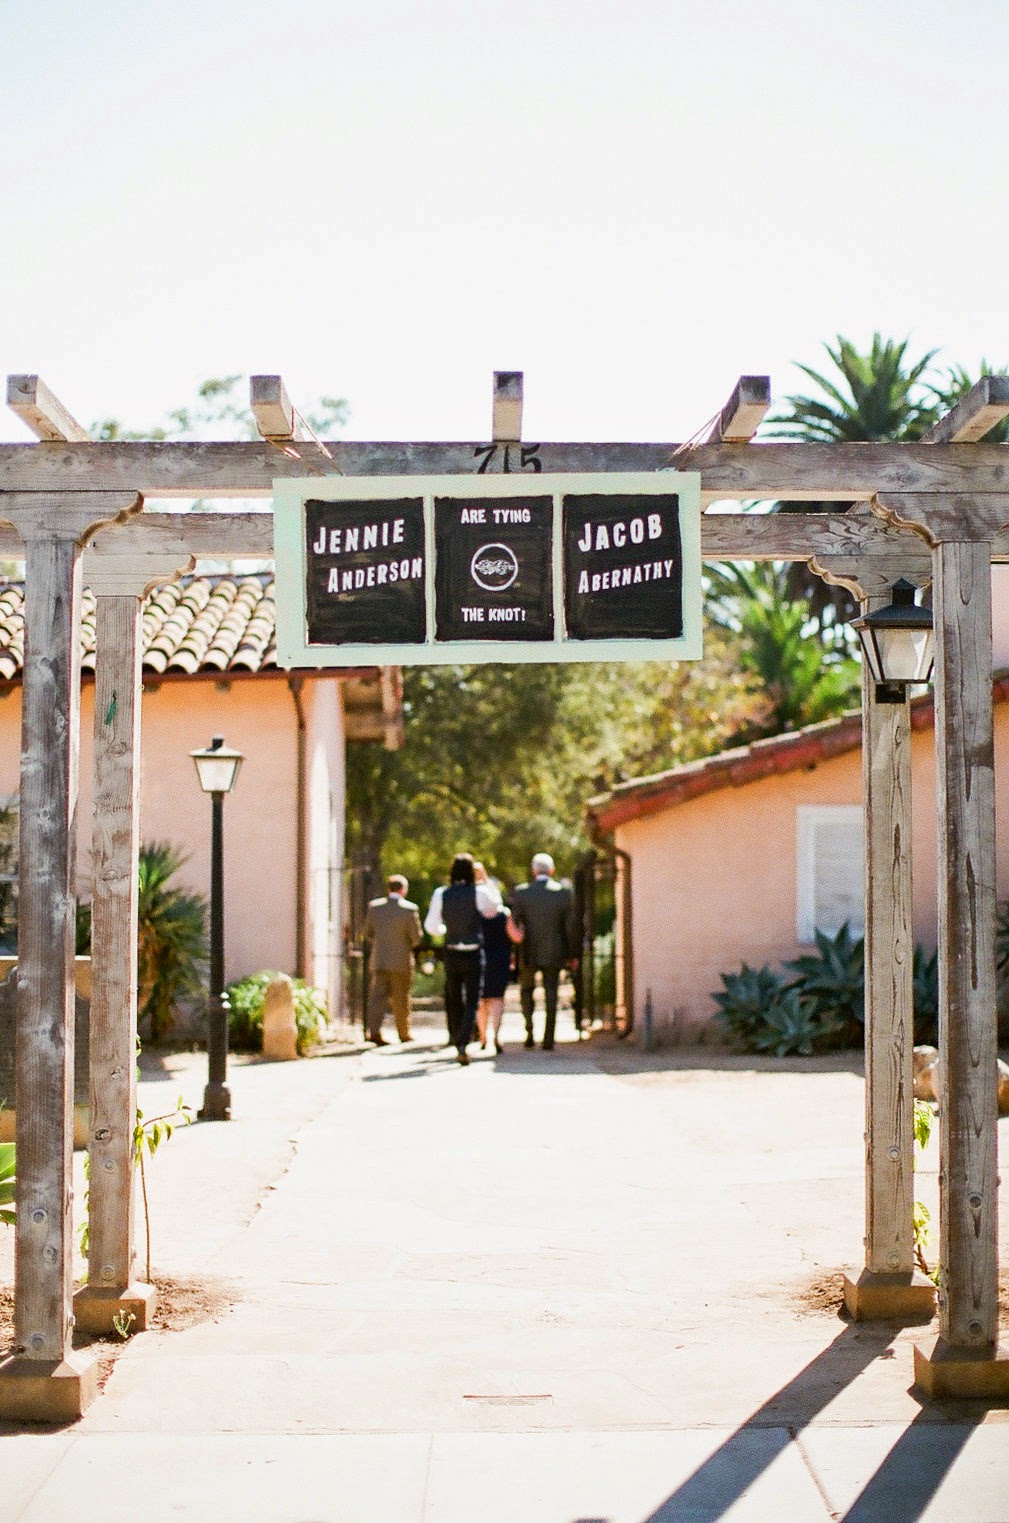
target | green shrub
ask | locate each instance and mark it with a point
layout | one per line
(765, 1014)
(831, 981)
(247, 997)
(7, 1183)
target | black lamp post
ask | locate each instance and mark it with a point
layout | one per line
(217, 768)
(897, 643)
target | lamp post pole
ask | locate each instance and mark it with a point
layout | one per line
(217, 768)
(217, 1095)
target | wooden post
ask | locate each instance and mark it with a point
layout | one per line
(965, 1360)
(127, 560)
(46, 1380)
(888, 1288)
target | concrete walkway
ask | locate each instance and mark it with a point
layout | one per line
(588, 1286)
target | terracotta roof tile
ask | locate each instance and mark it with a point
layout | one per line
(198, 624)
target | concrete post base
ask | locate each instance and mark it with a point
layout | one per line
(97, 1306)
(907, 1296)
(47, 1390)
(944, 1371)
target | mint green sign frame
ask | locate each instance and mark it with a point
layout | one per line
(291, 557)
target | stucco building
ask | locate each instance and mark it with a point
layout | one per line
(210, 669)
(738, 857)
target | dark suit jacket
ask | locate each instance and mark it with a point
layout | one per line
(393, 926)
(546, 912)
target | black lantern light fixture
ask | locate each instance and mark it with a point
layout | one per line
(217, 768)
(897, 642)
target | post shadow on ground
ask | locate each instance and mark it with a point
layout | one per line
(902, 1486)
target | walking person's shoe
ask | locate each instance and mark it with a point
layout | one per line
(529, 1041)
(498, 1048)
(462, 1056)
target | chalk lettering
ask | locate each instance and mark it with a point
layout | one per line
(473, 615)
(473, 516)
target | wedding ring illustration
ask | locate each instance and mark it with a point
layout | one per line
(494, 567)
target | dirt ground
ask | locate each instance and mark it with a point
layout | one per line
(180, 1304)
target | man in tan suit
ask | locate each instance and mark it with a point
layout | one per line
(392, 930)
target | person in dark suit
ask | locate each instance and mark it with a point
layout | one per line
(544, 911)
(392, 928)
(457, 913)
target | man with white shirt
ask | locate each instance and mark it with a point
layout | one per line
(455, 913)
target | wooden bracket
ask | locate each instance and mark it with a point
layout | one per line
(272, 409)
(743, 413)
(45, 415)
(506, 422)
(975, 415)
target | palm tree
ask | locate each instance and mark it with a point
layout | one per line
(801, 682)
(879, 395)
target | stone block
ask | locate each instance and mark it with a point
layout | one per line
(47, 1390)
(901, 1297)
(945, 1372)
(280, 1030)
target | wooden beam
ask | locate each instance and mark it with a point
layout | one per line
(976, 414)
(44, 413)
(506, 416)
(797, 472)
(272, 408)
(743, 413)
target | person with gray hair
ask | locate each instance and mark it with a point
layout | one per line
(544, 911)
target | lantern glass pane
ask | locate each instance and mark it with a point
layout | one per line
(217, 772)
(905, 654)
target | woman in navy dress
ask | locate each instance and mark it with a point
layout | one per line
(499, 935)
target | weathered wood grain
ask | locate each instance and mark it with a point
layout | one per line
(115, 847)
(798, 472)
(745, 410)
(272, 407)
(53, 533)
(889, 953)
(44, 413)
(506, 409)
(976, 414)
(968, 1226)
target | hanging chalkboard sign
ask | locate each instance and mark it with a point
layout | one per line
(443, 569)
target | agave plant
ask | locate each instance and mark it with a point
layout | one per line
(832, 980)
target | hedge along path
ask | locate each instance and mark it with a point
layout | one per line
(950, 496)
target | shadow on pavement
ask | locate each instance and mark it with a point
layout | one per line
(903, 1485)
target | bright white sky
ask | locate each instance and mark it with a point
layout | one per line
(633, 201)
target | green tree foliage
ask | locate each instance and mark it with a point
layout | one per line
(500, 760)
(795, 680)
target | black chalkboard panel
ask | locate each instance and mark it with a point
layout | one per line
(493, 568)
(365, 572)
(623, 567)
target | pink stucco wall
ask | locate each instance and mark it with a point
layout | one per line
(257, 716)
(714, 879)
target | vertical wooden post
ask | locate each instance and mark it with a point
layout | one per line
(119, 569)
(965, 1360)
(46, 1380)
(889, 1287)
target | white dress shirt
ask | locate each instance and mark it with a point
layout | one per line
(488, 902)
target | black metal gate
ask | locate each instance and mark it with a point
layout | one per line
(604, 985)
(360, 885)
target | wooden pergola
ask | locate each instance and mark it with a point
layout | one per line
(933, 511)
